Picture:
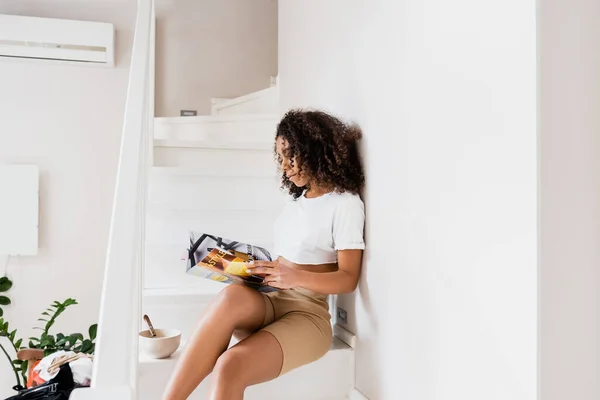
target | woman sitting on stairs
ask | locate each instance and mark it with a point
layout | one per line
(319, 241)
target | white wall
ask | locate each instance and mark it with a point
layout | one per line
(570, 199)
(212, 48)
(67, 120)
(446, 95)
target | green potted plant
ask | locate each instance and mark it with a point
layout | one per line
(46, 343)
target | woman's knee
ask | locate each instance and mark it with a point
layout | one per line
(229, 369)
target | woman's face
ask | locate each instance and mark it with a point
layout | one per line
(290, 165)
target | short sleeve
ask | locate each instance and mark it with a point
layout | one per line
(349, 223)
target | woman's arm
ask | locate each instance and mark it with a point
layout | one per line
(344, 280)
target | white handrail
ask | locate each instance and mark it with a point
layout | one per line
(116, 356)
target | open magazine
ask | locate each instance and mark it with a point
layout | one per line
(223, 260)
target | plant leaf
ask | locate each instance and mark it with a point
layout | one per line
(86, 346)
(42, 319)
(5, 284)
(17, 362)
(4, 301)
(18, 343)
(93, 331)
(74, 337)
(12, 335)
(1, 312)
(69, 302)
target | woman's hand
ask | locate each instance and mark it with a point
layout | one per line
(275, 273)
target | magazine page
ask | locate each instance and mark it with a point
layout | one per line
(225, 260)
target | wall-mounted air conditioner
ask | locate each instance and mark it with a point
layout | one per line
(57, 39)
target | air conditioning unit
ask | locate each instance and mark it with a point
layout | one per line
(57, 39)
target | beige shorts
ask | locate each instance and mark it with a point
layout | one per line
(300, 321)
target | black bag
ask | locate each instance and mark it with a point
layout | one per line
(57, 388)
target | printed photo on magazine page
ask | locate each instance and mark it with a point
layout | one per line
(224, 260)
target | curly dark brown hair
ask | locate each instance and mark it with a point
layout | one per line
(325, 148)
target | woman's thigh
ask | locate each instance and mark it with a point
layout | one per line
(241, 306)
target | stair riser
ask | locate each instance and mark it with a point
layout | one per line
(170, 227)
(216, 193)
(220, 131)
(216, 161)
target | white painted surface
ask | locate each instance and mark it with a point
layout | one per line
(113, 393)
(19, 204)
(264, 101)
(220, 130)
(356, 394)
(115, 357)
(344, 335)
(57, 39)
(67, 120)
(203, 157)
(215, 193)
(208, 49)
(570, 199)
(212, 144)
(310, 382)
(446, 96)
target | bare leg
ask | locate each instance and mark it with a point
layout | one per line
(236, 307)
(254, 360)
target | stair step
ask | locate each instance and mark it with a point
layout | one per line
(207, 144)
(330, 378)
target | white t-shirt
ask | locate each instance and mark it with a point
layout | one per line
(311, 230)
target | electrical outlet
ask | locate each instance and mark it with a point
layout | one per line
(188, 113)
(342, 315)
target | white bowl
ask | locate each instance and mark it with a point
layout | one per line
(165, 343)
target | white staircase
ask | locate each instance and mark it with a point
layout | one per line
(217, 174)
